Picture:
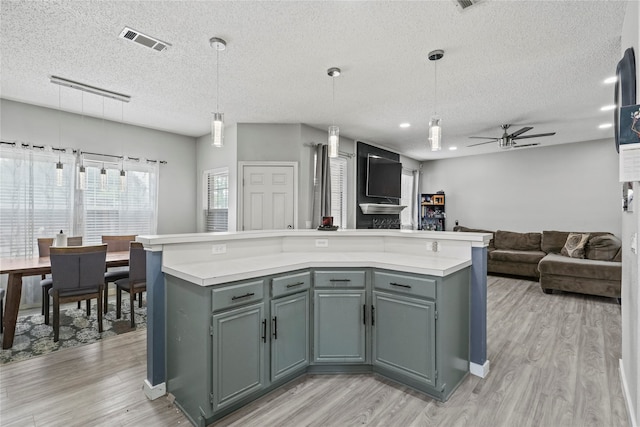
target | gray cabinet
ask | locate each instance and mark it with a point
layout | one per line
(238, 354)
(404, 335)
(289, 334)
(338, 326)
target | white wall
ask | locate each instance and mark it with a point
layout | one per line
(177, 198)
(571, 187)
(630, 365)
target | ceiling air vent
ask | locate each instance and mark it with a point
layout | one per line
(464, 4)
(143, 39)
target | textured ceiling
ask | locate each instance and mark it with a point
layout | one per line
(531, 63)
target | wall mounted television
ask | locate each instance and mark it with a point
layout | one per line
(384, 177)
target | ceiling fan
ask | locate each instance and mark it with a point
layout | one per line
(509, 140)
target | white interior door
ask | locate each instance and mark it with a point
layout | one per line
(268, 200)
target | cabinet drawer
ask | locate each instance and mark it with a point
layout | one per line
(411, 285)
(339, 279)
(291, 283)
(235, 295)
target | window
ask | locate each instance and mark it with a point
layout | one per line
(338, 167)
(31, 204)
(409, 199)
(115, 209)
(217, 200)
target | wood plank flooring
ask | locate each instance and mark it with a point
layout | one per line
(554, 362)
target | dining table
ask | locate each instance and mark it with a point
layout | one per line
(17, 268)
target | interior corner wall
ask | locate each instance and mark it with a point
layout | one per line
(209, 157)
(176, 198)
(570, 187)
(630, 363)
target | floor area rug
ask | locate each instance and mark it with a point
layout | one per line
(34, 338)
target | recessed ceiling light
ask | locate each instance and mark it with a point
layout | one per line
(605, 126)
(608, 107)
(453, 148)
(610, 80)
(405, 125)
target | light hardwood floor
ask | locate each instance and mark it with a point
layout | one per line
(554, 362)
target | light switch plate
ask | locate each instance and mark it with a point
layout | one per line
(634, 243)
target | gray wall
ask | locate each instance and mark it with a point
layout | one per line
(563, 187)
(177, 199)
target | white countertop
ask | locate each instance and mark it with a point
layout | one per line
(216, 272)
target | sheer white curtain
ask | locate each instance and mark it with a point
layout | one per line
(32, 205)
(321, 185)
(409, 189)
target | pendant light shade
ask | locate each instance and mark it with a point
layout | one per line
(59, 173)
(435, 134)
(217, 121)
(334, 131)
(82, 177)
(435, 130)
(103, 178)
(123, 177)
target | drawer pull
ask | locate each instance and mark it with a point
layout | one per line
(250, 294)
(293, 285)
(339, 280)
(400, 285)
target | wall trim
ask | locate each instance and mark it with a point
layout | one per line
(627, 396)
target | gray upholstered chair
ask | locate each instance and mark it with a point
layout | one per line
(1, 309)
(78, 274)
(44, 243)
(136, 283)
(115, 244)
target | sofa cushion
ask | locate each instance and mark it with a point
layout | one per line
(517, 241)
(553, 241)
(618, 257)
(574, 246)
(556, 264)
(529, 257)
(602, 248)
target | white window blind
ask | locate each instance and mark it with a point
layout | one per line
(217, 206)
(339, 190)
(112, 210)
(31, 204)
(408, 198)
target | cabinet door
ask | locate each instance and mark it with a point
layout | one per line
(404, 336)
(289, 334)
(238, 354)
(338, 327)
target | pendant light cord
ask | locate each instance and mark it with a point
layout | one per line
(333, 106)
(59, 123)
(217, 80)
(435, 88)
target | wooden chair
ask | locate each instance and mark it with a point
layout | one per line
(44, 243)
(115, 244)
(78, 274)
(136, 283)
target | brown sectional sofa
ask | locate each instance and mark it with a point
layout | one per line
(538, 255)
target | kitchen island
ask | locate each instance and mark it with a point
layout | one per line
(246, 312)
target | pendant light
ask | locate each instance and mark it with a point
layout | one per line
(59, 166)
(334, 131)
(217, 121)
(435, 129)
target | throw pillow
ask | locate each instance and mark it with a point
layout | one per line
(574, 246)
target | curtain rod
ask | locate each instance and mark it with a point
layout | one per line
(91, 89)
(76, 151)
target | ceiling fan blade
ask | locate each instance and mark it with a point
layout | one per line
(535, 136)
(484, 137)
(480, 143)
(526, 145)
(521, 131)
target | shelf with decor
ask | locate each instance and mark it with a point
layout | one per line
(432, 214)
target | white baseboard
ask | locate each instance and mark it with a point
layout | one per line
(479, 370)
(627, 397)
(154, 391)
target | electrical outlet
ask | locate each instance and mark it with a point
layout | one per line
(219, 249)
(322, 243)
(434, 247)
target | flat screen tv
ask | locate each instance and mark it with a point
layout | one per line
(384, 177)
